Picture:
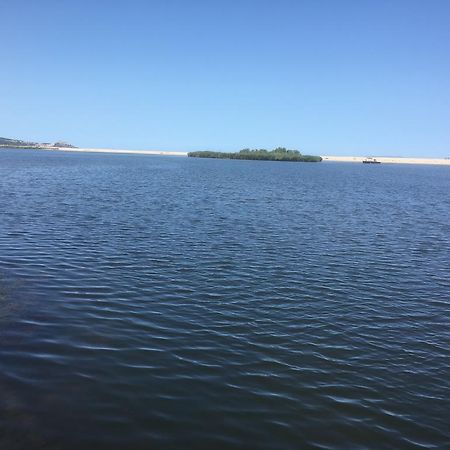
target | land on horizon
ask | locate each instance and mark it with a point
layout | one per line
(63, 146)
(19, 143)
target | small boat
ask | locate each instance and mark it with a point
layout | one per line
(371, 160)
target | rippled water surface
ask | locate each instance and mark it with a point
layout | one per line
(156, 302)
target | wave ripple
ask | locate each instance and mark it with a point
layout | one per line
(177, 303)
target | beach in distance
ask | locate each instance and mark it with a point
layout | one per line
(357, 159)
(126, 151)
(390, 160)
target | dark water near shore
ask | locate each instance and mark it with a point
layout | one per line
(156, 302)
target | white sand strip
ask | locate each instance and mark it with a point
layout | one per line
(389, 160)
(111, 150)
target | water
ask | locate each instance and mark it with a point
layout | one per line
(157, 302)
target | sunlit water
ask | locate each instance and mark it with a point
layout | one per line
(156, 302)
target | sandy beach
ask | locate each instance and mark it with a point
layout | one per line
(121, 151)
(390, 160)
(356, 159)
(353, 159)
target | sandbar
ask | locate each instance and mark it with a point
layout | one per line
(121, 151)
(390, 160)
(354, 159)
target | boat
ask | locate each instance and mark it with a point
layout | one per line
(370, 160)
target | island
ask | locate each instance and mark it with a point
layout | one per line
(18, 143)
(278, 154)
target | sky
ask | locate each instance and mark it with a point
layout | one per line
(347, 77)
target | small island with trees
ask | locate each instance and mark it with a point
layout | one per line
(278, 154)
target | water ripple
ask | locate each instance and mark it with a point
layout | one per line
(172, 303)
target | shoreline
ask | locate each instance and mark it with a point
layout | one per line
(119, 151)
(390, 160)
(99, 150)
(350, 159)
(353, 159)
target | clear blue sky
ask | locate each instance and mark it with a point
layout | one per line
(323, 76)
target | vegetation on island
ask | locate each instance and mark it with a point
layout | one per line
(17, 143)
(278, 154)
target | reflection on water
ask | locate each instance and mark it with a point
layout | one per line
(155, 302)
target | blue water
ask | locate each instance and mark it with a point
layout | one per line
(167, 302)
